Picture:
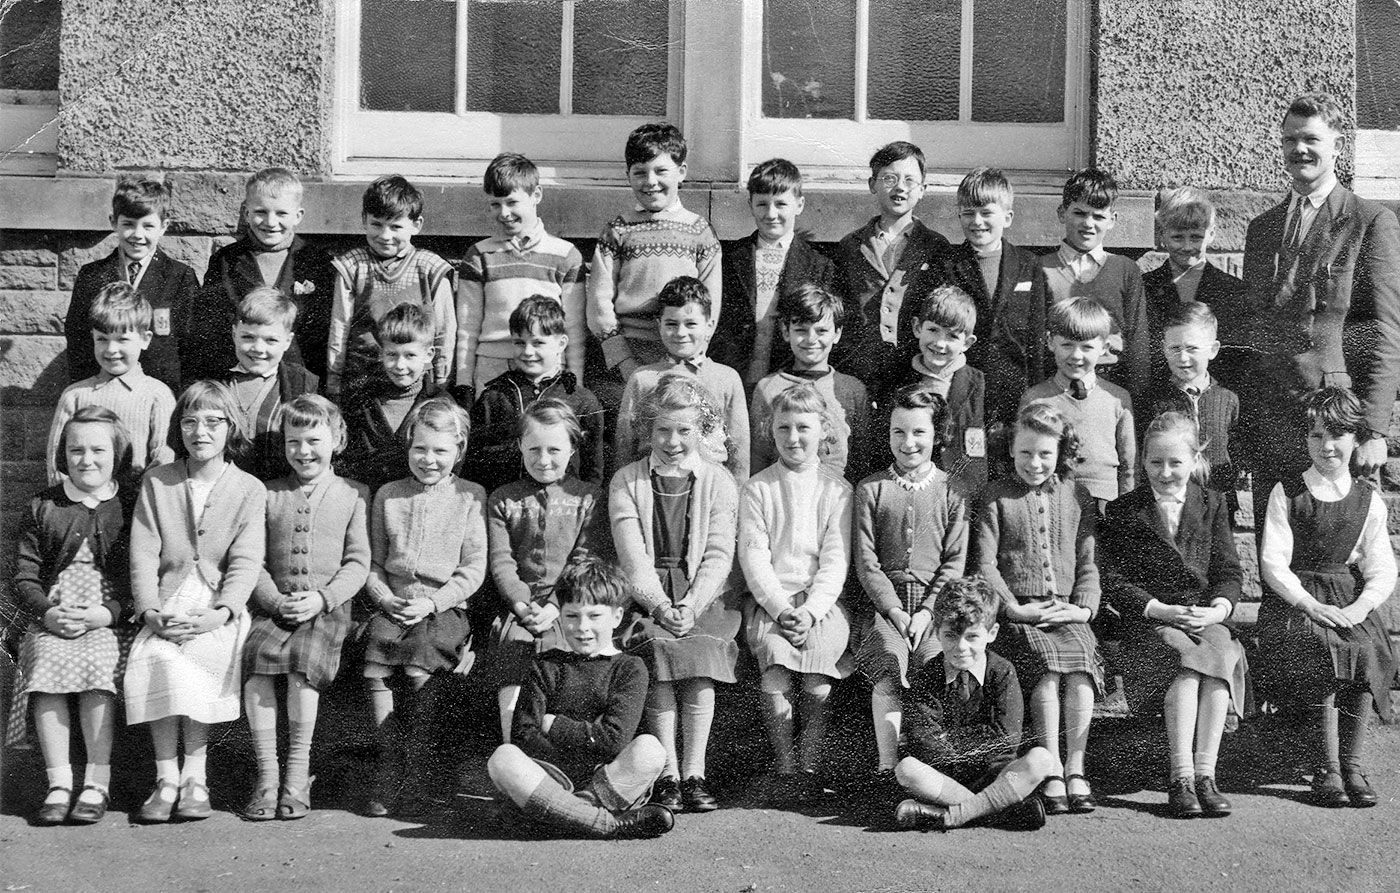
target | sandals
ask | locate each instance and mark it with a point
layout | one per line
(263, 806)
(294, 804)
(1057, 804)
(1080, 803)
(54, 813)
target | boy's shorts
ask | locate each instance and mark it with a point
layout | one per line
(606, 789)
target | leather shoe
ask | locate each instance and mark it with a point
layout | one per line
(53, 813)
(913, 815)
(667, 792)
(1182, 798)
(1359, 790)
(1328, 789)
(1212, 801)
(1028, 815)
(651, 820)
(157, 807)
(1057, 804)
(194, 802)
(90, 813)
(1080, 803)
(696, 797)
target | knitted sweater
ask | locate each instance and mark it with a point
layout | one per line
(1104, 422)
(848, 404)
(536, 529)
(143, 404)
(496, 275)
(723, 383)
(638, 253)
(908, 536)
(428, 541)
(1021, 530)
(317, 543)
(795, 538)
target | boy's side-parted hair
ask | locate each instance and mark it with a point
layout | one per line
(593, 581)
(1337, 410)
(1178, 424)
(1093, 187)
(685, 290)
(1193, 314)
(508, 172)
(808, 304)
(135, 197)
(408, 323)
(266, 305)
(898, 150)
(950, 307)
(118, 309)
(274, 181)
(548, 411)
(983, 186)
(1079, 319)
(392, 197)
(444, 416)
(121, 440)
(965, 603)
(537, 312)
(1319, 105)
(774, 177)
(215, 395)
(919, 399)
(310, 410)
(1184, 208)
(1044, 419)
(651, 140)
(677, 392)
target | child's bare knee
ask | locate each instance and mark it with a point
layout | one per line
(905, 769)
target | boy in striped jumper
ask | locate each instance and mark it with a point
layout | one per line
(498, 273)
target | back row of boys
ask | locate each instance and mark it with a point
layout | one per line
(761, 306)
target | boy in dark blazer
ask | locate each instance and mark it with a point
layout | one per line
(140, 213)
(269, 253)
(756, 270)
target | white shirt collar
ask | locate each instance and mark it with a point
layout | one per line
(1321, 486)
(1169, 498)
(1203, 383)
(698, 361)
(689, 463)
(1091, 381)
(1069, 254)
(781, 244)
(1318, 196)
(263, 375)
(994, 251)
(947, 372)
(672, 212)
(89, 500)
(978, 670)
(128, 380)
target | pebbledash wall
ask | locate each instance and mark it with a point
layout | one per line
(1182, 91)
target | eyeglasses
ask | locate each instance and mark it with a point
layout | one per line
(890, 181)
(212, 423)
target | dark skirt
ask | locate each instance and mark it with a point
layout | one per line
(1154, 654)
(885, 654)
(1070, 648)
(513, 648)
(276, 648)
(1307, 660)
(433, 645)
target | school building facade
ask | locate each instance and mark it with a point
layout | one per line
(1163, 93)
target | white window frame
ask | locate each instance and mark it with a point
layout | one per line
(28, 132)
(827, 148)
(461, 143)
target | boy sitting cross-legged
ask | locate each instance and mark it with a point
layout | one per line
(574, 763)
(962, 722)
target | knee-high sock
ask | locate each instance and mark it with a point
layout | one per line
(1214, 704)
(1045, 710)
(1329, 747)
(1352, 723)
(1179, 709)
(814, 712)
(260, 703)
(1078, 714)
(697, 715)
(1014, 784)
(303, 704)
(886, 713)
(661, 719)
(928, 784)
(549, 803)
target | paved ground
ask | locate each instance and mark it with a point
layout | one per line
(1274, 842)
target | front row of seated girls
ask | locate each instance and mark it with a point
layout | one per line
(234, 584)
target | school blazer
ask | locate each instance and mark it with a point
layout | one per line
(1010, 348)
(306, 277)
(1334, 318)
(168, 285)
(1138, 562)
(733, 341)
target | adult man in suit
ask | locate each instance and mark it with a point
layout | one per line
(1323, 268)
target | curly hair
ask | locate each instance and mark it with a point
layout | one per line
(593, 581)
(965, 603)
(676, 392)
(1042, 418)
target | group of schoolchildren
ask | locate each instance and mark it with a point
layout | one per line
(374, 427)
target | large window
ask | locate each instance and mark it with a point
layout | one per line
(28, 85)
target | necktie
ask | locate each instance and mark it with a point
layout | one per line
(1288, 251)
(133, 270)
(1078, 391)
(961, 687)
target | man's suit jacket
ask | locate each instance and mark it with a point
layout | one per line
(1333, 317)
(168, 285)
(733, 342)
(306, 277)
(1227, 298)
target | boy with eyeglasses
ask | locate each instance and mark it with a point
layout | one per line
(876, 263)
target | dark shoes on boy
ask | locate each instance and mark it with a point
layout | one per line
(696, 797)
(651, 820)
(915, 815)
(1189, 797)
(666, 792)
(1329, 790)
(1359, 790)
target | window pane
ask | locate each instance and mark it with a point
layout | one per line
(620, 57)
(513, 56)
(1377, 65)
(1018, 61)
(408, 51)
(809, 53)
(913, 71)
(29, 45)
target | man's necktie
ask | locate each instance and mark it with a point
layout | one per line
(133, 270)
